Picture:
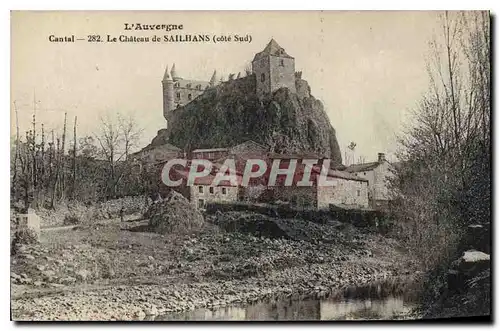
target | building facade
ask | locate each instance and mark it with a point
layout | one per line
(153, 154)
(178, 91)
(378, 175)
(273, 69)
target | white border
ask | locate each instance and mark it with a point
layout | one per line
(185, 5)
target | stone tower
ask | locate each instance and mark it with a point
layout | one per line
(168, 94)
(273, 69)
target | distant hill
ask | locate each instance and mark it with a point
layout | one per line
(231, 113)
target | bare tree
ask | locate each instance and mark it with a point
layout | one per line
(445, 182)
(116, 138)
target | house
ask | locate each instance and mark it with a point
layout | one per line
(378, 174)
(203, 191)
(160, 153)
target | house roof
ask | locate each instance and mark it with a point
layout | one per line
(304, 155)
(165, 146)
(272, 49)
(205, 150)
(339, 174)
(362, 167)
(249, 143)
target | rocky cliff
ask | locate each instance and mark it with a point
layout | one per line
(231, 113)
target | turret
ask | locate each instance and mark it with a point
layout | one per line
(213, 79)
(174, 74)
(168, 94)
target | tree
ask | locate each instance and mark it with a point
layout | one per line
(444, 184)
(116, 138)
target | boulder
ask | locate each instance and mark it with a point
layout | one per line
(472, 262)
(469, 265)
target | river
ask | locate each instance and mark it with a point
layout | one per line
(385, 301)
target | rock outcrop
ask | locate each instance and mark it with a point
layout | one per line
(231, 113)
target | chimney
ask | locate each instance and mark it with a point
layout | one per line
(381, 157)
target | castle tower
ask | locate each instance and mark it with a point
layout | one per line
(174, 74)
(168, 94)
(273, 69)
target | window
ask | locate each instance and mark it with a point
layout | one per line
(364, 173)
(200, 189)
(188, 85)
(224, 190)
(211, 189)
(201, 203)
(178, 95)
(359, 193)
(262, 77)
(190, 96)
(177, 84)
(282, 64)
(198, 87)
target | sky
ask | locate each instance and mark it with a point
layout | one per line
(368, 68)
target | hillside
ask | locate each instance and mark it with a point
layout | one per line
(231, 113)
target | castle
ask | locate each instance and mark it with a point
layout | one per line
(272, 68)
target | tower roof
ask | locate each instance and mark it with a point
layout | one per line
(272, 49)
(173, 73)
(166, 76)
(213, 80)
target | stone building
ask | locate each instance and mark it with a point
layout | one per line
(203, 192)
(272, 68)
(178, 91)
(378, 174)
(154, 154)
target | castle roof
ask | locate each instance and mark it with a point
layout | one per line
(166, 76)
(272, 49)
(173, 72)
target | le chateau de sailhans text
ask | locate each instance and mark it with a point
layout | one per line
(174, 34)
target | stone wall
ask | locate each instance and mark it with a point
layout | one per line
(345, 192)
(261, 69)
(282, 73)
(380, 184)
(296, 195)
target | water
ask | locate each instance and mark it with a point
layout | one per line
(377, 301)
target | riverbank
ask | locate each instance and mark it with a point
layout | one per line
(120, 271)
